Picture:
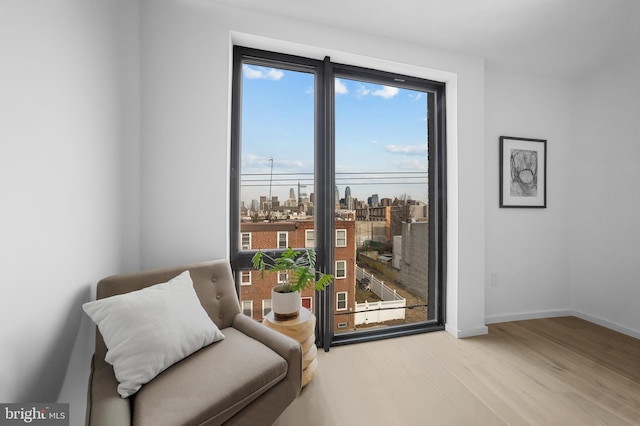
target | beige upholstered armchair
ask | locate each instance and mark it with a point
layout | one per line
(247, 378)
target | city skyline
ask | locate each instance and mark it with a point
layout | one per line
(375, 198)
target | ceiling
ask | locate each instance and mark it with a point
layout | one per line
(552, 38)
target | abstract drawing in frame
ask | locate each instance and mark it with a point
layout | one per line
(523, 172)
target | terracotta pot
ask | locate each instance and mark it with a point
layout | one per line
(285, 306)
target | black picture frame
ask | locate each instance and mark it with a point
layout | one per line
(523, 172)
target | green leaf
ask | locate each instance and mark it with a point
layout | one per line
(299, 266)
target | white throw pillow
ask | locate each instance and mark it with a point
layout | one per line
(146, 331)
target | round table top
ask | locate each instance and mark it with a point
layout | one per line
(304, 316)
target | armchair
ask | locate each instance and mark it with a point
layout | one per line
(249, 377)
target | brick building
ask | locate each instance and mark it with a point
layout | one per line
(255, 293)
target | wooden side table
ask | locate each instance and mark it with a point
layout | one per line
(303, 330)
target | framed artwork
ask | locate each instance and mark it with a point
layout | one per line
(523, 172)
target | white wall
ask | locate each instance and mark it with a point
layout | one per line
(527, 272)
(185, 126)
(604, 244)
(580, 255)
(60, 183)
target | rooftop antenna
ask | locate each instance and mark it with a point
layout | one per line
(269, 203)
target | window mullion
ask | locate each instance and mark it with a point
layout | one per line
(325, 182)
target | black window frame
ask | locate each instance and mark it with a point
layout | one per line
(324, 227)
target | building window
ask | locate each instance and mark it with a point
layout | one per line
(307, 302)
(266, 307)
(283, 276)
(245, 277)
(341, 237)
(247, 308)
(341, 269)
(341, 301)
(309, 238)
(245, 243)
(399, 191)
(283, 240)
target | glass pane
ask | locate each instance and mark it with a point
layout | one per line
(277, 167)
(381, 177)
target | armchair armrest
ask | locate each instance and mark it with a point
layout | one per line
(286, 347)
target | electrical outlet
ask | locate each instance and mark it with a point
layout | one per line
(494, 280)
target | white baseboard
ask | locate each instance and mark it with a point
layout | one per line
(461, 334)
(493, 319)
(608, 324)
(520, 316)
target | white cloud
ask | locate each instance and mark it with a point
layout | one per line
(274, 74)
(256, 163)
(340, 87)
(417, 96)
(387, 92)
(251, 72)
(362, 90)
(344, 169)
(289, 164)
(255, 72)
(253, 161)
(413, 164)
(407, 149)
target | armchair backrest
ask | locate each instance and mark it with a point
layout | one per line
(213, 282)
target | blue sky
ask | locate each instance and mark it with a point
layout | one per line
(381, 135)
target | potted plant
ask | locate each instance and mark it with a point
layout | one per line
(299, 273)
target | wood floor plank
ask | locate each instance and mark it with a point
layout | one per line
(595, 414)
(602, 384)
(604, 387)
(614, 350)
(539, 372)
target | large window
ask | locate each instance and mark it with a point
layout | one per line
(350, 161)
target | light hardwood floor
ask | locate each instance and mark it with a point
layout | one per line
(558, 371)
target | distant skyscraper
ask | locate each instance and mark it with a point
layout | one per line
(337, 200)
(375, 201)
(302, 193)
(292, 194)
(347, 198)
